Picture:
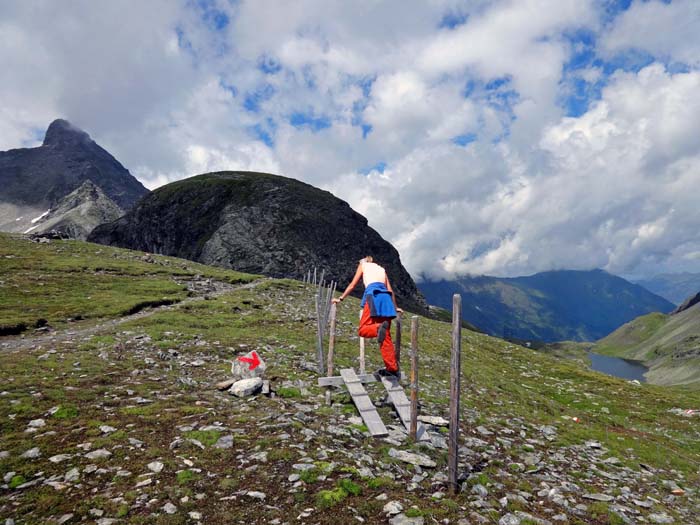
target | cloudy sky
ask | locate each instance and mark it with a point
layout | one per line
(498, 137)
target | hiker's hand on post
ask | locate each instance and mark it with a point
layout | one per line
(399, 310)
(335, 300)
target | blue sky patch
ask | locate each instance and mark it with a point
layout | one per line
(228, 87)
(183, 42)
(301, 120)
(463, 140)
(253, 99)
(379, 166)
(213, 17)
(583, 44)
(452, 19)
(262, 135)
(268, 65)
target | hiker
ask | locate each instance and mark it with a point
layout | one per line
(378, 309)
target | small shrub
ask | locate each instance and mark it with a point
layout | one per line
(329, 498)
(413, 513)
(350, 487)
(309, 476)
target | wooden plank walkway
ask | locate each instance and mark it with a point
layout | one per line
(403, 406)
(363, 403)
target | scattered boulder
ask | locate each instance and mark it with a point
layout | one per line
(246, 387)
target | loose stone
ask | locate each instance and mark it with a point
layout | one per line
(392, 508)
(32, 453)
(155, 466)
(412, 458)
(100, 453)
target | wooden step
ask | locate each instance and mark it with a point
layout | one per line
(364, 404)
(397, 396)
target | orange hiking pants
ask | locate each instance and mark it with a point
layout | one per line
(369, 327)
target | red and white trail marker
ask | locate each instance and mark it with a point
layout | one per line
(253, 360)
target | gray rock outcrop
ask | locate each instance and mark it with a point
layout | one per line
(77, 214)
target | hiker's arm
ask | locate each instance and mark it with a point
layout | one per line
(351, 286)
(393, 297)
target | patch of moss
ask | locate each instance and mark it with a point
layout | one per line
(16, 481)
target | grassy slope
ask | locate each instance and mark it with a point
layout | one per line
(503, 384)
(60, 281)
(668, 344)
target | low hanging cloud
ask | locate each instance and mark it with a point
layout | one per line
(501, 137)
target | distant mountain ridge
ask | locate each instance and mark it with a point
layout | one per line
(35, 180)
(258, 223)
(549, 306)
(675, 287)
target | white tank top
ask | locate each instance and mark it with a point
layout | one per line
(372, 273)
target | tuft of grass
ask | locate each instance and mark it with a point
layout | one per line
(288, 392)
(186, 477)
(66, 412)
(380, 482)
(413, 513)
(206, 437)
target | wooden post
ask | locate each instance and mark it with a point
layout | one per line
(319, 332)
(314, 276)
(455, 370)
(414, 378)
(331, 349)
(397, 340)
(362, 351)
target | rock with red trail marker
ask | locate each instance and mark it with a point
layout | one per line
(248, 366)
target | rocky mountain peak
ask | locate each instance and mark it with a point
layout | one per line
(34, 180)
(688, 303)
(62, 132)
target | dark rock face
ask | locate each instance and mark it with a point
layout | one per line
(688, 303)
(77, 214)
(258, 223)
(41, 177)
